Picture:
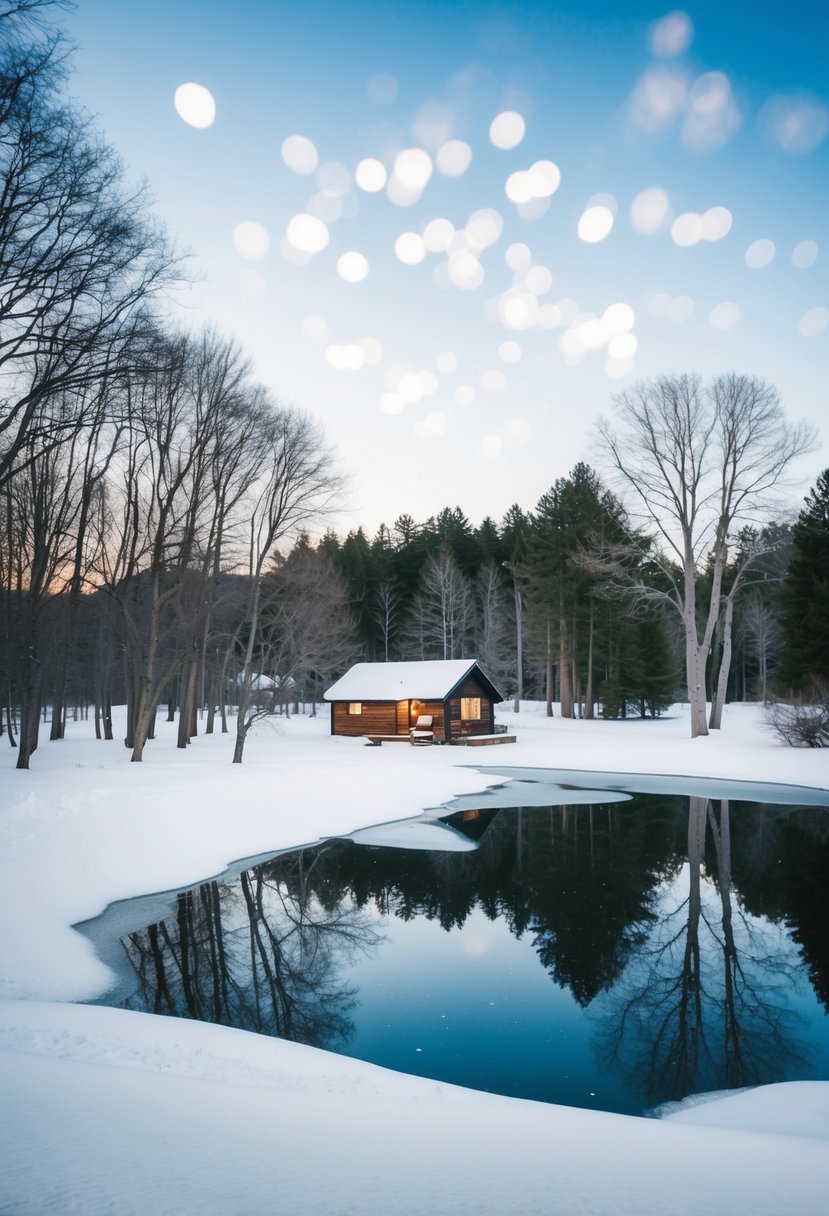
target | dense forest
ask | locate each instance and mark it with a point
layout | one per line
(163, 537)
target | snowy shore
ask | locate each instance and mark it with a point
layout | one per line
(109, 1111)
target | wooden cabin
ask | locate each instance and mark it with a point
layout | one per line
(386, 699)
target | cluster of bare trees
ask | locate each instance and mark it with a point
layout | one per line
(145, 477)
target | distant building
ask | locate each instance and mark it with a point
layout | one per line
(388, 699)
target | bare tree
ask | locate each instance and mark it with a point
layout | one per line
(496, 625)
(443, 612)
(696, 463)
(298, 484)
(41, 509)
(80, 256)
(760, 632)
(308, 631)
(384, 610)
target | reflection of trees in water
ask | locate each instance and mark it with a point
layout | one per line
(262, 954)
(781, 862)
(690, 989)
(580, 879)
(703, 1003)
(592, 873)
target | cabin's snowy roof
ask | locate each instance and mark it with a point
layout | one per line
(431, 679)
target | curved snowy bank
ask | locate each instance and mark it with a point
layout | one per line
(121, 1112)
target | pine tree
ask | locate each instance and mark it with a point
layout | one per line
(806, 593)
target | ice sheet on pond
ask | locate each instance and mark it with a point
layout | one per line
(431, 835)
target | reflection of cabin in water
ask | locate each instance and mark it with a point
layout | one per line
(386, 699)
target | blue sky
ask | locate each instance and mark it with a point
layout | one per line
(468, 364)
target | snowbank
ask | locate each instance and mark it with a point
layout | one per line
(108, 1111)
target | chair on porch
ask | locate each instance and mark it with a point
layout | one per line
(422, 731)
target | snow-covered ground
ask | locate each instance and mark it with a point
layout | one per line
(108, 1111)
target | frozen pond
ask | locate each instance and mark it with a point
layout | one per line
(598, 947)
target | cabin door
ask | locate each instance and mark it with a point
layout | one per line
(403, 718)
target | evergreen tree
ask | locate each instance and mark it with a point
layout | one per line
(806, 593)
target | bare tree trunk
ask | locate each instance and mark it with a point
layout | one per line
(30, 693)
(589, 707)
(564, 667)
(519, 649)
(549, 671)
(718, 702)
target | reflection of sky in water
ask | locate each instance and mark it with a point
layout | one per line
(473, 1007)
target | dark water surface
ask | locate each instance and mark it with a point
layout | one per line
(603, 950)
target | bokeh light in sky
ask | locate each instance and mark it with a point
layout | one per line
(452, 234)
(195, 104)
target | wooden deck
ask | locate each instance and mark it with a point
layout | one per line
(461, 741)
(482, 740)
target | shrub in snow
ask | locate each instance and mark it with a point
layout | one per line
(803, 723)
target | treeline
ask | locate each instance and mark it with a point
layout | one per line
(566, 603)
(525, 597)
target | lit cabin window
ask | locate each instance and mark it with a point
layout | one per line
(355, 707)
(471, 709)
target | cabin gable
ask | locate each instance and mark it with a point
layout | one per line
(471, 709)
